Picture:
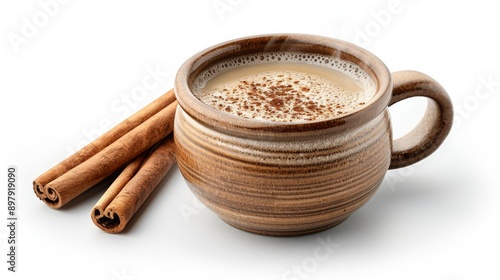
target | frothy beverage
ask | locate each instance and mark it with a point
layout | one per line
(284, 87)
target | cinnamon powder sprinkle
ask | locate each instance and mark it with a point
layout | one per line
(284, 97)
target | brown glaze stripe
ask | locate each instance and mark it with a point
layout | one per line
(307, 206)
(204, 147)
(244, 176)
(251, 184)
(321, 188)
(238, 150)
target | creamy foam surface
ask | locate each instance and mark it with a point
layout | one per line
(284, 87)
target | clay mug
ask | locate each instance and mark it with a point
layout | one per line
(279, 178)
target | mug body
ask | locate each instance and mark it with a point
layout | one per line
(278, 178)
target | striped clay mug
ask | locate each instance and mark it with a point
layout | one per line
(293, 174)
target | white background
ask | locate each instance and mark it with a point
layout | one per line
(69, 71)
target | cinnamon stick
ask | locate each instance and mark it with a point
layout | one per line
(100, 143)
(80, 178)
(132, 187)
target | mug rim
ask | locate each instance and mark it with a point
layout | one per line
(220, 120)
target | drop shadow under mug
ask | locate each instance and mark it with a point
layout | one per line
(280, 178)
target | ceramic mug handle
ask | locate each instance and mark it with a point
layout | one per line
(435, 125)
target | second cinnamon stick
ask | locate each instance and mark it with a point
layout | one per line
(131, 188)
